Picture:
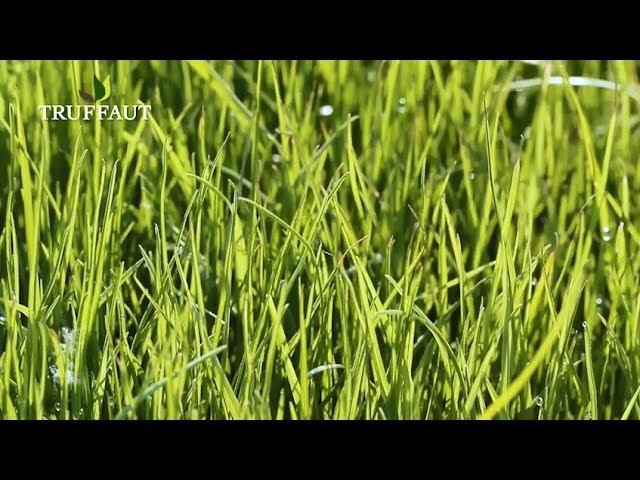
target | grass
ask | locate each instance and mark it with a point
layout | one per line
(450, 240)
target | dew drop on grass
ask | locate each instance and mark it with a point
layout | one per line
(57, 406)
(565, 364)
(326, 110)
(402, 105)
(67, 344)
(538, 401)
(599, 301)
(68, 335)
(606, 234)
(55, 374)
(472, 176)
(534, 281)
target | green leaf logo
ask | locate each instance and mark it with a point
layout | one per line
(101, 89)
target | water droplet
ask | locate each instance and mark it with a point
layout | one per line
(534, 281)
(326, 110)
(606, 238)
(472, 176)
(276, 159)
(599, 301)
(402, 101)
(57, 407)
(621, 226)
(67, 334)
(588, 416)
(538, 401)
(68, 342)
(606, 229)
(55, 373)
(371, 76)
(606, 233)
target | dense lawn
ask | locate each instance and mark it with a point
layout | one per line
(330, 240)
